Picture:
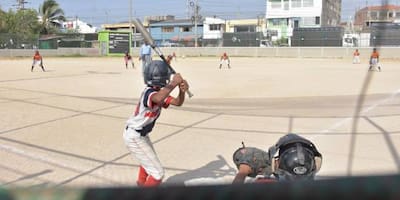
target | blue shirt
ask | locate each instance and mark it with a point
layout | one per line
(145, 50)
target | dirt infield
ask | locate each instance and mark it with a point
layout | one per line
(64, 127)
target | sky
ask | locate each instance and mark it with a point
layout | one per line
(97, 12)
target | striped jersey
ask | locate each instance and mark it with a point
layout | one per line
(147, 112)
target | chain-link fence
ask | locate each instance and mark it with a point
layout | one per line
(18, 41)
(67, 40)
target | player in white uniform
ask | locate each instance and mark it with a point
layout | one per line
(138, 127)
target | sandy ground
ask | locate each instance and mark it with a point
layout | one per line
(64, 127)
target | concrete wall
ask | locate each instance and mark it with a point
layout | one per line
(50, 52)
(289, 52)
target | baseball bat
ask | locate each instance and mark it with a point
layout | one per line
(147, 37)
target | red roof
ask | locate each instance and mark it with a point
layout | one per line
(382, 7)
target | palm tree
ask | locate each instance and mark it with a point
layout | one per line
(51, 15)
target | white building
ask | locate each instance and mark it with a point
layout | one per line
(213, 29)
(78, 26)
(284, 15)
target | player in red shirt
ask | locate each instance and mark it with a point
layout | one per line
(225, 59)
(356, 57)
(374, 60)
(128, 59)
(37, 60)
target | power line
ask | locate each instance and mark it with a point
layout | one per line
(20, 4)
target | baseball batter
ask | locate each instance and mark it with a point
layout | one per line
(139, 125)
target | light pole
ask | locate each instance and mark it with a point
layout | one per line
(130, 23)
(196, 14)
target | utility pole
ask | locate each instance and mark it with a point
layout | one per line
(20, 4)
(196, 15)
(195, 18)
(130, 22)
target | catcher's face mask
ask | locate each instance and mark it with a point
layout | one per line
(296, 161)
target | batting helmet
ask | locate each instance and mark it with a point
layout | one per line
(157, 73)
(295, 158)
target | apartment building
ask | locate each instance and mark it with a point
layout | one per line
(284, 15)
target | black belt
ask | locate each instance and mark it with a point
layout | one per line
(142, 133)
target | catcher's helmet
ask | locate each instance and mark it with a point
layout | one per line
(157, 73)
(295, 158)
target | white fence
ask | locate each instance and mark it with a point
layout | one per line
(288, 52)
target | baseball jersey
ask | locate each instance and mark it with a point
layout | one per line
(37, 57)
(147, 112)
(375, 55)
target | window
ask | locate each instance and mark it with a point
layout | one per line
(383, 15)
(296, 3)
(215, 27)
(276, 4)
(374, 15)
(286, 4)
(245, 28)
(167, 29)
(308, 3)
(309, 21)
(186, 29)
(317, 20)
(276, 22)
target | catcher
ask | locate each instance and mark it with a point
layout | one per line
(291, 158)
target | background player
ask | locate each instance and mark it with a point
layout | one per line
(225, 59)
(374, 60)
(291, 158)
(145, 55)
(169, 59)
(37, 60)
(138, 127)
(356, 57)
(128, 59)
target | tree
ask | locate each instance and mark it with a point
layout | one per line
(19, 28)
(51, 16)
(2, 21)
